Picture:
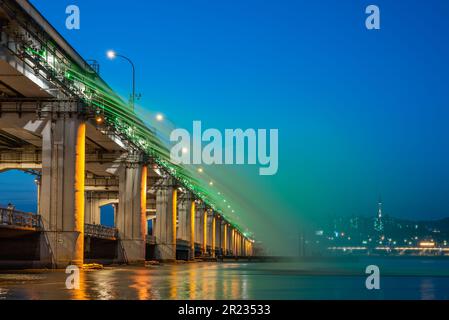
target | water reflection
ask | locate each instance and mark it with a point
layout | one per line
(232, 281)
(427, 289)
(3, 294)
(143, 285)
(80, 294)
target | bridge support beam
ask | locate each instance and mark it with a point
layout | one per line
(131, 214)
(211, 233)
(205, 233)
(231, 240)
(62, 192)
(199, 227)
(224, 236)
(191, 221)
(183, 218)
(166, 221)
(218, 235)
(240, 245)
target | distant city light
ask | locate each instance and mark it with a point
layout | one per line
(427, 244)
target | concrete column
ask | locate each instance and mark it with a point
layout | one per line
(205, 232)
(236, 243)
(38, 185)
(199, 225)
(131, 214)
(225, 238)
(62, 192)
(183, 212)
(192, 219)
(212, 232)
(239, 244)
(166, 215)
(92, 210)
(217, 234)
(115, 206)
(230, 240)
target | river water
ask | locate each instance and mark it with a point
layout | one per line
(401, 278)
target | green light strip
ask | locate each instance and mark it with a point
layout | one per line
(97, 94)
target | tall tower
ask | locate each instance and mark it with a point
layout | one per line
(378, 222)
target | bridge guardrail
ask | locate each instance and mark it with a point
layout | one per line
(101, 232)
(14, 218)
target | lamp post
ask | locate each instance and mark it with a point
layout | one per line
(112, 55)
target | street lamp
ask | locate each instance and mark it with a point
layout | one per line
(111, 54)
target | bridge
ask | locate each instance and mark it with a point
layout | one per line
(89, 149)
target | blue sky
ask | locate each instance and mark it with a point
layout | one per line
(360, 113)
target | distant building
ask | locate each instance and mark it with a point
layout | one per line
(378, 221)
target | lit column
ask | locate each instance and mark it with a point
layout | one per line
(192, 229)
(205, 232)
(131, 214)
(240, 244)
(225, 238)
(166, 215)
(199, 223)
(62, 192)
(233, 241)
(183, 217)
(236, 245)
(214, 234)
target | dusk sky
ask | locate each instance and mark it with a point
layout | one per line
(361, 114)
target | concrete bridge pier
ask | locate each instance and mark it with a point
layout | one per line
(191, 222)
(199, 226)
(230, 237)
(166, 221)
(205, 233)
(62, 192)
(236, 244)
(224, 236)
(131, 214)
(218, 235)
(211, 232)
(183, 211)
(239, 244)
